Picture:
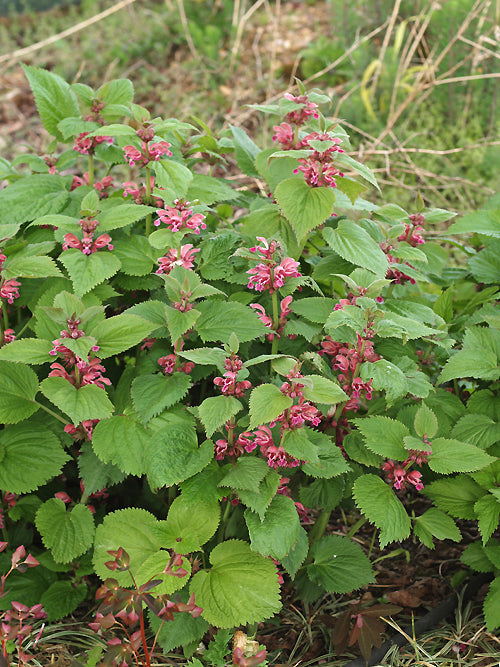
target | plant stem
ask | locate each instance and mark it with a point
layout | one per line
(276, 317)
(91, 169)
(5, 317)
(318, 530)
(149, 217)
(144, 641)
(54, 414)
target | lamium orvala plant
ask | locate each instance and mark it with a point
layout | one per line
(197, 371)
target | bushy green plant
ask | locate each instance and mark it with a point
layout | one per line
(207, 404)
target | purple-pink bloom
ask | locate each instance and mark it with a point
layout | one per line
(180, 216)
(10, 290)
(172, 258)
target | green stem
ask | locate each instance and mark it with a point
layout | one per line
(318, 530)
(354, 529)
(51, 412)
(276, 317)
(225, 518)
(19, 335)
(149, 217)
(91, 170)
(5, 317)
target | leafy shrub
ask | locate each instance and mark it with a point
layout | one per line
(215, 400)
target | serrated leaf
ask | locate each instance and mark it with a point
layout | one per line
(27, 350)
(134, 254)
(276, 535)
(478, 357)
(477, 429)
(68, 534)
(387, 377)
(173, 177)
(379, 504)
(151, 394)
(182, 630)
(18, 388)
(190, 525)
(247, 473)
(323, 391)
(173, 455)
(384, 436)
(206, 356)
(20, 446)
(31, 197)
(216, 411)
(296, 442)
(485, 265)
(304, 207)
(221, 318)
(31, 267)
(267, 403)
(297, 555)
(209, 190)
(426, 423)
(355, 245)
(339, 565)
(62, 598)
(133, 529)
(53, 97)
(87, 402)
(246, 151)
(121, 441)
(324, 493)
(259, 500)
(492, 606)
(331, 461)
(87, 271)
(454, 456)
(487, 509)
(121, 216)
(346, 160)
(479, 222)
(241, 587)
(154, 568)
(435, 523)
(94, 473)
(119, 333)
(456, 496)
(179, 322)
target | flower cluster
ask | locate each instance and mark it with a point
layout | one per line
(268, 322)
(9, 289)
(305, 109)
(229, 384)
(412, 230)
(83, 431)
(86, 145)
(269, 274)
(102, 187)
(347, 358)
(9, 500)
(351, 299)
(139, 193)
(149, 152)
(180, 217)
(87, 245)
(170, 364)
(399, 474)
(183, 256)
(73, 332)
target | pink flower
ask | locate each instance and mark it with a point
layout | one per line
(8, 336)
(304, 110)
(171, 259)
(10, 290)
(85, 144)
(414, 478)
(317, 174)
(180, 216)
(156, 151)
(284, 135)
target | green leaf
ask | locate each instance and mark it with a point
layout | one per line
(62, 598)
(94, 473)
(246, 151)
(154, 568)
(485, 222)
(27, 587)
(324, 493)
(314, 308)
(380, 505)
(173, 455)
(31, 197)
(133, 529)
(68, 534)
(351, 188)
(456, 496)
(121, 216)
(339, 565)
(276, 535)
(385, 376)
(182, 630)
(28, 350)
(267, 403)
(20, 446)
(121, 441)
(221, 318)
(454, 456)
(205, 356)
(331, 461)
(426, 423)
(31, 267)
(355, 245)
(173, 177)
(323, 391)
(246, 473)
(296, 442)
(304, 207)
(18, 388)
(190, 525)
(492, 606)
(87, 271)
(259, 500)
(297, 555)
(134, 254)
(384, 436)
(347, 161)
(241, 587)
(478, 357)
(119, 333)
(435, 523)
(487, 509)
(209, 190)
(53, 97)
(88, 402)
(216, 411)
(151, 394)
(485, 265)
(474, 555)
(179, 322)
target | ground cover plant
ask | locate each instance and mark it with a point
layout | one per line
(202, 370)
